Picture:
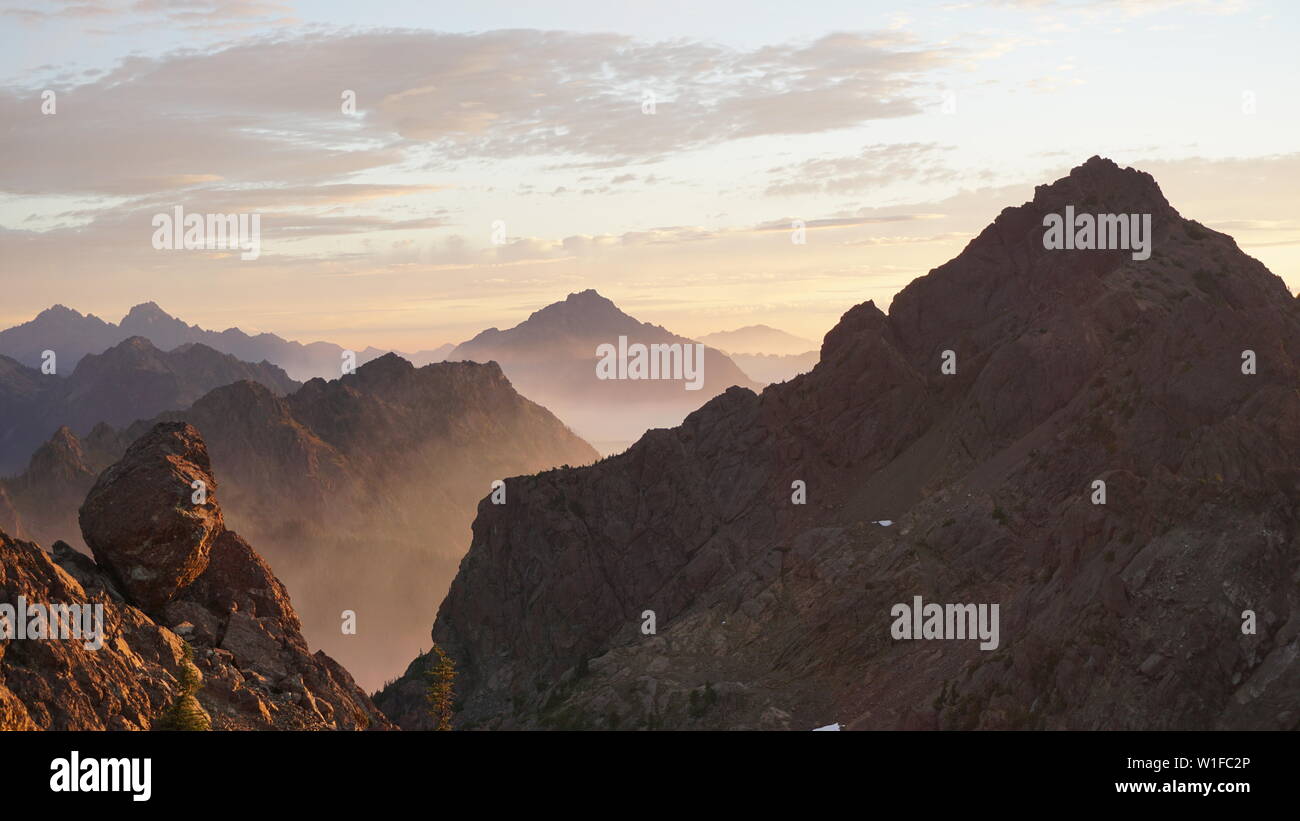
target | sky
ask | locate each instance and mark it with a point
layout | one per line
(500, 156)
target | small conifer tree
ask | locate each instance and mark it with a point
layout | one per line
(441, 692)
(185, 712)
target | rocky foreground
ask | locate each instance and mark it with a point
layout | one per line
(970, 486)
(360, 491)
(167, 573)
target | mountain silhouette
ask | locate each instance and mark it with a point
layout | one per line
(551, 358)
(73, 335)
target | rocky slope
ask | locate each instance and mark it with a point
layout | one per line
(167, 572)
(966, 487)
(129, 381)
(360, 491)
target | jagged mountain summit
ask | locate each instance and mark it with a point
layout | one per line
(949, 450)
(552, 358)
(73, 336)
(134, 379)
(167, 574)
(360, 491)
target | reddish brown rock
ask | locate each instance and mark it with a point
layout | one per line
(151, 518)
(61, 684)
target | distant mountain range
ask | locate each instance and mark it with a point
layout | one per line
(551, 358)
(1105, 448)
(768, 368)
(72, 335)
(758, 339)
(129, 381)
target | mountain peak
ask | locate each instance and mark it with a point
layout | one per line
(583, 304)
(1101, 184)
(139, 343)
(389, 363)
(588, 297)
(58, 310)
(585, 313)
(146, 312)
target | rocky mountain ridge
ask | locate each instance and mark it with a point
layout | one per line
(966, 485)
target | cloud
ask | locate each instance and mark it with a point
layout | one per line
(875, 166)
(268, 109)
(1125, 8)
(876, 217)
(202, 15)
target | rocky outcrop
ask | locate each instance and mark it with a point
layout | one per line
(61, 684)
(168, 574)
(360, 491)
(152, 517)
(973, 486)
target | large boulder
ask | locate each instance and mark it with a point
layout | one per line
(151, 518)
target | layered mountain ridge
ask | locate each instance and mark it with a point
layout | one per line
(973, 486)
(359, 490)
(73, 336)
(133, 379)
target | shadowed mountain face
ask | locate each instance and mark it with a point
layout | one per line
(132, 380)
(973, 486)
(167, 572)
(72, 336)
(551, 358)
(360, 490)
